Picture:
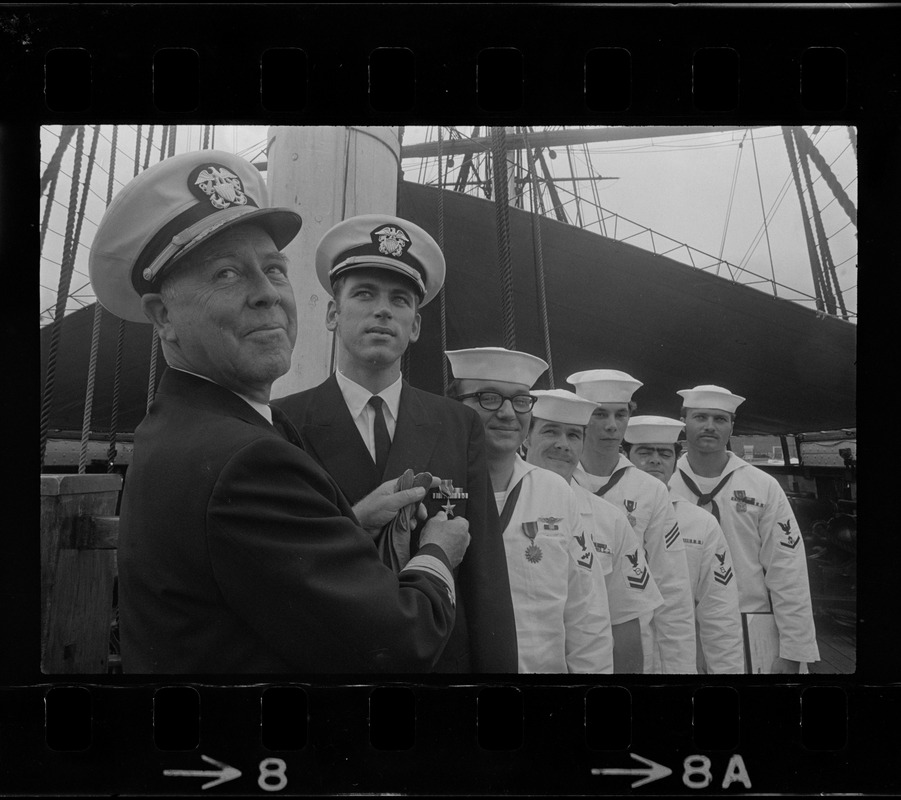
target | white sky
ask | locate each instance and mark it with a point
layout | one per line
(679, 186)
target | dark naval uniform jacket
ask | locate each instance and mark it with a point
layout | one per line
(446, 438)
(238, 553)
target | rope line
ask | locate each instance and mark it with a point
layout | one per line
(65, 136)
(808, 234)
(808, 147)
(502, 224)
(538, 252)
(766, 227)
(442, 299)
(62, 294)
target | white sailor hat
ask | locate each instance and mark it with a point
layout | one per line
(560, 405)
(384, 242)
(496, 363)
(165, 212)
(604, 385)
(653, 430)
(708, 396)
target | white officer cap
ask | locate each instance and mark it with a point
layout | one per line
(384, 242)
(653, 430)
(560, 405)
(604, 385)
(496, 363)
(165, 212)
(709, 396)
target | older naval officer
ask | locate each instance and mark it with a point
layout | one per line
(237, 552)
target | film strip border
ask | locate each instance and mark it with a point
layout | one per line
(490, 739)
(334, 63)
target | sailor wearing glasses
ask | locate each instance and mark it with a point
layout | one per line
(559, 603)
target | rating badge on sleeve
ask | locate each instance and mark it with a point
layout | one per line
(722, 573)
(639, 577)
(790, 542)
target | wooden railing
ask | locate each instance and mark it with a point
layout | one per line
(79, 533)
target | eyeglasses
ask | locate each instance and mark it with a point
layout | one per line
(492, 401)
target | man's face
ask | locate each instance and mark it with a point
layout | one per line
(374, 316)
(657, 459)
(505, 430)
(555, 446)
(229, 311)
(607, 425)
(707, 430)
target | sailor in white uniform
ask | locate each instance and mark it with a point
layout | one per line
(668, 638)
(757, 519)
(562, 619)
(653, 448)
(555, 441)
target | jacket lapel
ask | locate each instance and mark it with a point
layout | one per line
(332, 438)
(415, 435)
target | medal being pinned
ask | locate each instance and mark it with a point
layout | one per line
(447, 490)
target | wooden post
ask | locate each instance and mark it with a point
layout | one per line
(78, 570)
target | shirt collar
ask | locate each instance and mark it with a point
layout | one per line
(357, 397)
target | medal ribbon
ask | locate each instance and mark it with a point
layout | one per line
(704, 499)
(509, 505)
(614, 479)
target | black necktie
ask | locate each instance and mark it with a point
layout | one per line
(282, 423)
(704, 499)
(614, 479)
(382, 440)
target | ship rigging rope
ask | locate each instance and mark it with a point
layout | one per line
(502, 225)
(95, 337)
(62, 295)
(766, 227)
(829, 274)
(738, 155)
(539, 259)
(71, 252)
(442, 299)
(50, 173)
(805, 145)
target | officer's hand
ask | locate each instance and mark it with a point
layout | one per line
(451, 535)
(381, 505)
(783, 666)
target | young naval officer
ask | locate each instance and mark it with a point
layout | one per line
(653, 447)
(237, 552)
(380, 270)
(757, 519)
(561, 610)
(555, 441)
(668, 638)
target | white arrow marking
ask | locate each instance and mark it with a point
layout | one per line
(652, 771)
(223, 774)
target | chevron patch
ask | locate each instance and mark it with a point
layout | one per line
(723, 578)
(586, 560)
(791, 542)
(639, 581)
(672, 536)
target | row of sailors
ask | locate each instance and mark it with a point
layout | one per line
(244, 536)
(613, 567)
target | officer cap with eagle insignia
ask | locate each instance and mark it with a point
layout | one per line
(497, 364)
(560, 405)
(165, 212)
(604, 385)
(709, 396)
(383, 242)
(647, 429)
